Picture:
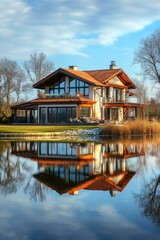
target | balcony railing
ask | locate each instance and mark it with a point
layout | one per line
(113, 100)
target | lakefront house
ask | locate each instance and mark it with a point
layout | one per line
(69, 95)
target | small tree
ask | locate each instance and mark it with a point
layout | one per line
(148, 56)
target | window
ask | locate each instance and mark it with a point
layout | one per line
(78, 86)
(58, 88)
(107, 114)
(107, 92)
(85, 112)
(61, 149)
(52, 113)
(42, 115)
(61, 114)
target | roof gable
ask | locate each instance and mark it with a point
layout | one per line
(67, 72)
(116, 81)
(93, 77)
(83, 76)
(104, 76)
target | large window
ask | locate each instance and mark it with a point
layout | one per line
(58, 88)
(77, 86)
(61, 114)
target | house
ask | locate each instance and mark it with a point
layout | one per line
(69, 95)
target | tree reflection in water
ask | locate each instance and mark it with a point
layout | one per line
(36, 190)
(149, 200)
(13, 173)
(16, 174)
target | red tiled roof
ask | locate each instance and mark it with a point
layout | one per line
(104, 75)
(84, 76)
(55, 100)
(93, 77)
(70, 72)
(63, 100)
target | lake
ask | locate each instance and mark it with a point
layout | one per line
(106, 189)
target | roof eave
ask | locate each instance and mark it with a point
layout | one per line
(81, 78)
(47, 78)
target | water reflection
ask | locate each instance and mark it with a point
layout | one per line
(54, 172)
(70, 167)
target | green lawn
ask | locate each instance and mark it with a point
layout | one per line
(39, 129)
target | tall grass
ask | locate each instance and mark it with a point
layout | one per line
(136, 128)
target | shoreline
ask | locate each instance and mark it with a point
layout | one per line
(69, 135)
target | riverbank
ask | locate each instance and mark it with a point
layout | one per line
(138, 128)
(64, 133)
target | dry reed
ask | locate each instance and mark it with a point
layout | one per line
(132, 129)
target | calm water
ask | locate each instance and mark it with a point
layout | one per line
(51, 190)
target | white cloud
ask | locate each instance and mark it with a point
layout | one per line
(68, 27)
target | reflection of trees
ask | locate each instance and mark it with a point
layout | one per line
(12, 173)
(35, 189)
(149, 200)
(15, 174)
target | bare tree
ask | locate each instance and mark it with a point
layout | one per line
(141, 91)
(38, 67)
(148, 56)
(12, 80)
(158, 96)
(20, 87)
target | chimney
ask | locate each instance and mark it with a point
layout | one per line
(113, 65)
(73, 67)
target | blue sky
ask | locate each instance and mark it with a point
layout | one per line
(85, 33)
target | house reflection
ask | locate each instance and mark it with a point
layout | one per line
(69, 167)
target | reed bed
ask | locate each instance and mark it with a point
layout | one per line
(132, 129)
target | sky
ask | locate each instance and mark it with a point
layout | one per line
(86, 33)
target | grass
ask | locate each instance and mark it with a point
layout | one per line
(40, 129)
(136, 128)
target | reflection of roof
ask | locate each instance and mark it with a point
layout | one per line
(56, 100)
(64, 161)
(98, 182)
(123, 104)
(58, 160)
(124, 155)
